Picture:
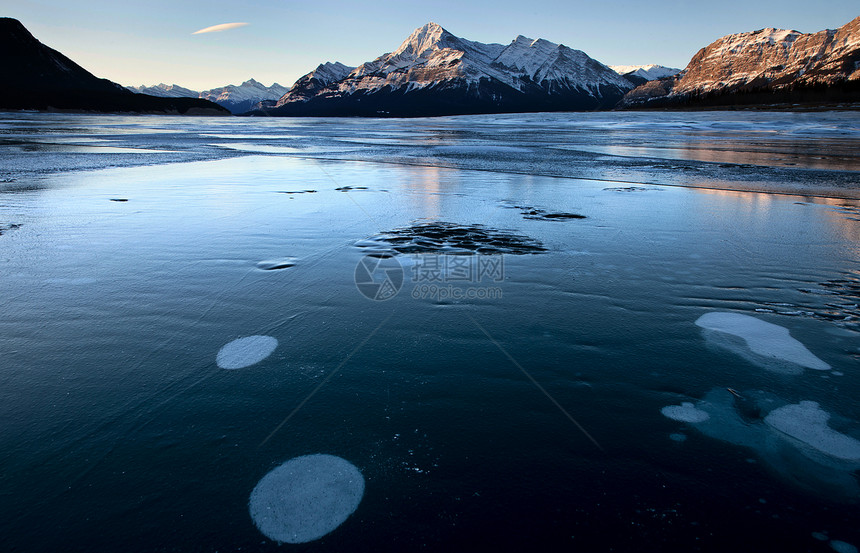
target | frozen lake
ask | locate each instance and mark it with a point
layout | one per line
(586, 332)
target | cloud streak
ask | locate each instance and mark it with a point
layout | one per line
(219, 28)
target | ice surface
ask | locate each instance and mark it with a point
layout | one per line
(762, 338)
(245, 352)
(306, 498)
(276, 264)
(713, 150)
(813, 459)
(686, 412)
(472, 150)
(585, 318)
(807, 422)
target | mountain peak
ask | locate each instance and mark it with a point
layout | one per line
(429, 37)
(9, 24)
(430, 26)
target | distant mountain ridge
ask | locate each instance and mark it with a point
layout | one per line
(38, 77)
(434, 72)
(165, 91)
(647, 72)
(237, 99)
(764, 66)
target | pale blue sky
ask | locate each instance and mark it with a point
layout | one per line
(151, 42)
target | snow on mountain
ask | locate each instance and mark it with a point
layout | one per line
(647, 72)
(242, 98)
(312, 83)
(165, 91)
(329, 72)
(770, 55)
(434, 72)
(237, 99)
(777, 65)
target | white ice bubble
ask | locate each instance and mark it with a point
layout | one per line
(678, 437)
(686, 412)
(762, 338)
(807, 422)
(245, 352)
(842, 547)
(306, 498)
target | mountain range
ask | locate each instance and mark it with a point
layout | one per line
(434, 72)
(644, 73)
(767, 66)
(237, 99)
(38, 77)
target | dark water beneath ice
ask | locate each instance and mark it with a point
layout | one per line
(120, 432)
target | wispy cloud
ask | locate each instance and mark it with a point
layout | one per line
(219, 28)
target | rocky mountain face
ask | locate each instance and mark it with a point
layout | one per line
(765, 66)
(314, 82)
(237, 99)
(434, 72)
(38, 77)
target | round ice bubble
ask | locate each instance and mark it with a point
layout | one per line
(245, 352)
(842, 547)
(807, 422)
(306, 498)
(686, 412)
(763, 338)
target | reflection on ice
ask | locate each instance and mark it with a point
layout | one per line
(306, 498)
(764, 344)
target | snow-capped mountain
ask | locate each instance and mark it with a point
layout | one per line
(434, 72)
(237, 99)
(165, 91)
(311, 84)
(765, 66)
(647, 72)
